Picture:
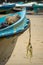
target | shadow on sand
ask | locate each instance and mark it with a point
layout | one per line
(7, 46)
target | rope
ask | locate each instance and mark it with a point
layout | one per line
(29, 46)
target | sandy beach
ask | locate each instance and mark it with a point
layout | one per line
(13, 50)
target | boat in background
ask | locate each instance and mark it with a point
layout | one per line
(38, 7)
(34, 7)
(6, 6)
(18, 26)
(27, 5)
(19, 2)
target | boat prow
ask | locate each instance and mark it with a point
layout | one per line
(17, 27)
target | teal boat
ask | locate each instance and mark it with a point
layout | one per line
(37, 7)
(19, 26)
(27, 5)
(6, 6)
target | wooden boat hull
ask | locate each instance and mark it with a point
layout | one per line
(15, 28)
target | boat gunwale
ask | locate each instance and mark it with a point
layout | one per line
(24, 11)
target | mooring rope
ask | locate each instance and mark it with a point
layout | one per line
(29, 46)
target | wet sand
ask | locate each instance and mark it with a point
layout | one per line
(15, 53)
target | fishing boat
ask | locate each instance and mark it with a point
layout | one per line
(18, 26)
(6, 6)
(20, 2)
(27, 5)
(37, 7)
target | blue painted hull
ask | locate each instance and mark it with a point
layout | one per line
(34, 6)
(6, 7)
(27, 5)
(15, 28)
(37, 7)
(20, 2)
